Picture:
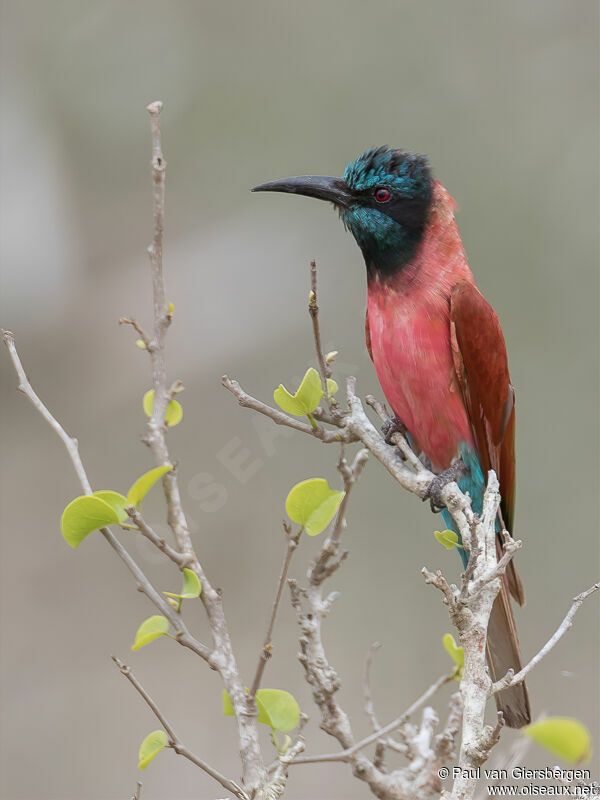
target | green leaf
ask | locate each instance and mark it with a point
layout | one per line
(313, 504)
(191, 586)
(173, 413)
(227, 705)
(151, 746)
(281, 709)
(149, 630)
(457, 654)
(84, 515)
(116, 501)
(563, 736)
(332, 387)
(449, 539)
(276, 709)
(144, 483)
(306, 399)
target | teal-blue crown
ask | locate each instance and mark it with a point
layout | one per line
(405, 173)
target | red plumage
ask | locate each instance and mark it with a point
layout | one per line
(440, 357)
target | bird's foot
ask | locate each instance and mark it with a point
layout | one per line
(390, 427)
(434, 491)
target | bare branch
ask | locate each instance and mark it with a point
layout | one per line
(511, 679)
(27, 389)
(174, 741)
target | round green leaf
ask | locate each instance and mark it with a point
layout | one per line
(151, 746)
(144, 483)
(84, 515)
(456, 653)
(278, 709)
(563, 736)
(449, 539)
(115, 500)
(191, 586)
(148, 402)
(332, 387)
(227, 705)
(149, 630)
(173, 413)
(306, 399)
(313, 504)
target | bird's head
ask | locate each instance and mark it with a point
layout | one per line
(383, 199)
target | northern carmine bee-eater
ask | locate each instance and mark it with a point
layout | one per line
(437, 347)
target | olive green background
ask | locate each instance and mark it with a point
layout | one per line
(503, 98)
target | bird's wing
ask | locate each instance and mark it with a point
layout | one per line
(481, 366)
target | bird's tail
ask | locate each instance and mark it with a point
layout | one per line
(503, 653)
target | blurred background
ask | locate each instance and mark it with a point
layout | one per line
(503, 97)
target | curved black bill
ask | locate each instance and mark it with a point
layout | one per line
(320, 186)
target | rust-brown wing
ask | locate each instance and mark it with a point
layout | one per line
(481, 366)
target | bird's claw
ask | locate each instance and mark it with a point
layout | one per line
(434, 491)
(390, 427)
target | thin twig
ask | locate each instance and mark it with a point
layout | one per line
(313, 310)
(178, 558)
(139, 330)
(27, 389)
(174, 741)
(511, 679)
(265, 653)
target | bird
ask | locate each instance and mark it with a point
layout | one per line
(438, 351)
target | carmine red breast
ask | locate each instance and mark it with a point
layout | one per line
(408, 318)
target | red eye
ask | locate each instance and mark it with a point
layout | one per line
(382, 195)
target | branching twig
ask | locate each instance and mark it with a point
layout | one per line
(139, 330)
(178, 558)
(174, 741)
(183, 636)
(511, 679)
(346, 755)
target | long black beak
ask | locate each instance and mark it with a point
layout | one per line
(320, 186)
